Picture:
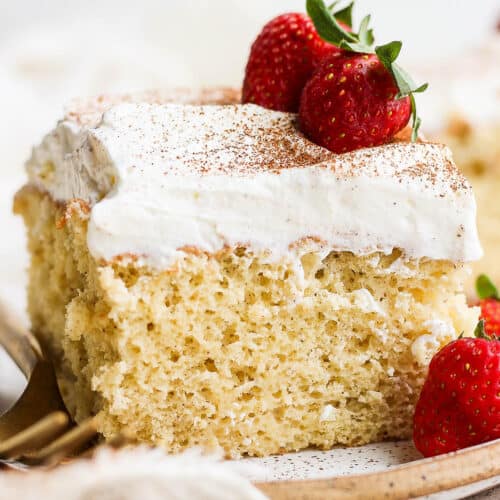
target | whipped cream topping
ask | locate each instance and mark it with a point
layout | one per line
(88, 111)
(162, 178)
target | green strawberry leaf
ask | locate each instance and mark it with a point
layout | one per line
(326, 21)
(365, 33)
(480, 332)
(485, 288)
(421, 89)
(355, 47)
(345, 15)
(326, 25)
(388, 53)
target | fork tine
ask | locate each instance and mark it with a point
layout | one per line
(35, 436)
(64, 446)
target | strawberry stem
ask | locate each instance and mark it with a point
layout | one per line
(388, 54)
(327, 25)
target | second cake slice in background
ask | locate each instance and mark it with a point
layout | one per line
(462, 109)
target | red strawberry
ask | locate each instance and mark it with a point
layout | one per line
(282, 59)
(351, 103)
(459, 405)
(490, 305)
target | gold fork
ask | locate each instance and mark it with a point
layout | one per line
(37, 429)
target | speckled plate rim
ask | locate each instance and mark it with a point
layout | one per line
(318, 468)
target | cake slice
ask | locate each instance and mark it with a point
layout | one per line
(203, 275)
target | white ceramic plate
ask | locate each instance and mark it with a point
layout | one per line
(313, 464)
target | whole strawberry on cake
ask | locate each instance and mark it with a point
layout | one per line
(257, 276)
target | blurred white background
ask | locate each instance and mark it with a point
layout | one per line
(52, 50)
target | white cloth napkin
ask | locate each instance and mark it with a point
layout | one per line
(139, 473)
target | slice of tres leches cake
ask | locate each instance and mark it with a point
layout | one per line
(203, 275)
